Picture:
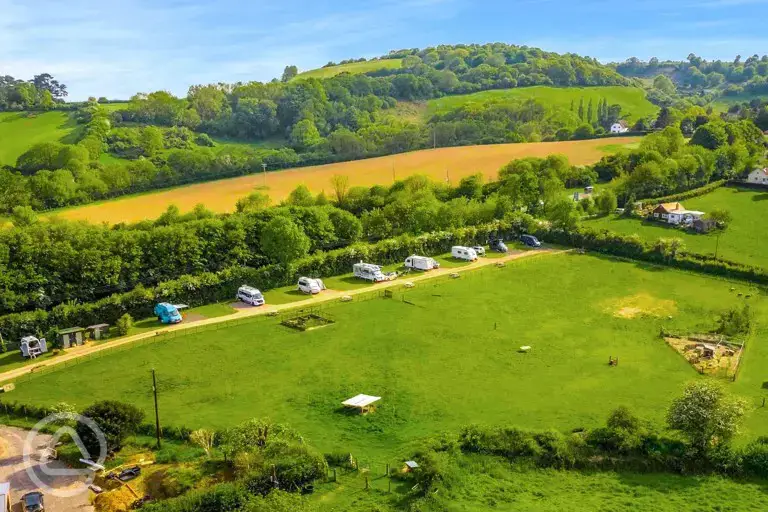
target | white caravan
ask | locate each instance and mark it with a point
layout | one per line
(370, 272)
(250, 295)
(463, 253)
(310, 285)
(31, 347)
(421, 263)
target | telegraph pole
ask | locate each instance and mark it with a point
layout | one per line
(157, 414)
(264, 168)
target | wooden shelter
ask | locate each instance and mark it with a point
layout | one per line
(362, 402)
(71, 337)
(97, 331)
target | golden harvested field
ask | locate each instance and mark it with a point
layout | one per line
(456, 163)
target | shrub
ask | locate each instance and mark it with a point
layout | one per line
(124, 324)
(116, 420)
(755, 458)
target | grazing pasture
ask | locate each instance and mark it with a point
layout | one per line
(354, 68)
(632, 99)
(443, 355)
(745, 240)
(21, 130)
(454, 162)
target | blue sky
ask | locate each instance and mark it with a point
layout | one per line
(117, 48)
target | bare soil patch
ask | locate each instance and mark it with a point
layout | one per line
(709, 357)
(640, 305)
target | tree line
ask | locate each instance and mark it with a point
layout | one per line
(47, 263)
(42, 92)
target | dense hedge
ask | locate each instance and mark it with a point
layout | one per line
(209, 287)
(696, 192)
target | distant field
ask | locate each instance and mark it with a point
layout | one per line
(745, 241)
(455, 162)
(722, 103)
(445, 358)
(354, 68)
(20, 130)
(633, 101)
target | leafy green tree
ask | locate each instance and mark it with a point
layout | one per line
(664, 84)
(722, 217)
(151, 141)
(283, 241)
(209, 101)
(711, 136)
(252, 202)
(289, 73)
(116, 420)
(348, 228)
(584, 131)
(300, 196)
(304, 135)
(590, 112)
(23, 216)
(706, 415)
(606, 202)
(43, 155)
(581, 109)
(124, 324)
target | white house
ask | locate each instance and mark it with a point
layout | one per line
(620, 127)
(675, 213)
(758, 177)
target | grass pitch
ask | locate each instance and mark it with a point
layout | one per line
(21, 130)
(354, 68)
(445, 358)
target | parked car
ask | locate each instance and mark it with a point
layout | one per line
(498, 245)
(250, 295)
(421, 263)
(129, 473)
(310, 285)
(33, 502)
(530, 241)
(463, 253)
(479, 249)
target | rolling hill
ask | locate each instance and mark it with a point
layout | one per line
(352, 67)
(20, 130)
(632, 100)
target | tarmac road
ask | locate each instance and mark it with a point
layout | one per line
(13, 469)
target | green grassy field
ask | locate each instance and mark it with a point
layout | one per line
(722, 103)
(354, 68)
(633, 101)
(20, 130)
(447, 359)
(482, 483)
(744, 241)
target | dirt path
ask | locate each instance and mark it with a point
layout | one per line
(13, 469)
(326, 296)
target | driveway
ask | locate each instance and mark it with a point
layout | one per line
(13, 470)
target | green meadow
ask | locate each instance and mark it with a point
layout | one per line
(442, 355)
(21, 130)
(745, 240)
(352, 67)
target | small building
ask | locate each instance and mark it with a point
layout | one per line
(620, 127)
(31, 347)
(704, 225)
(758, 177)
(708, 350)
(71, 337)
(675, 213)
(362, 402)
(95, 332)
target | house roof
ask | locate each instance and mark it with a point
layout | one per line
(670, 207)
(764, 171)
(98, 326)
(411, 464)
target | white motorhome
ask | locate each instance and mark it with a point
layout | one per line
(370, 272)
(250, 295)
(310, 285)
(421, 263)
(463, 253)
(5, 497)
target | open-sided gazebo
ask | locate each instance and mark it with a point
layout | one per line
(362, 402)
